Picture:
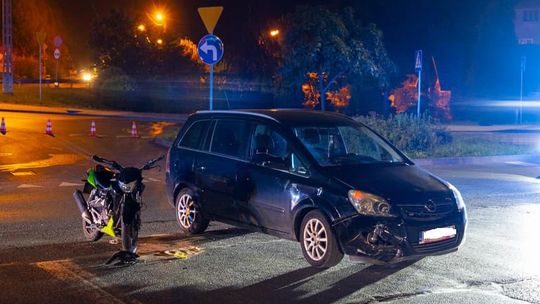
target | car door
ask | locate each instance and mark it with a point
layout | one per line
(217, 171)
(186, 151)
(275, 174)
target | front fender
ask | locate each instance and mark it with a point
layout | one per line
(328, 208)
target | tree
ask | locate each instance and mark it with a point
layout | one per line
(116, 42)
(334, 45)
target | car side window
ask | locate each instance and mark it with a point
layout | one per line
(195, 135)
(270, 149)
(231, 137)
(266, 143)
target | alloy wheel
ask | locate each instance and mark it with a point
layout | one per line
(315, 239)
(186, 210)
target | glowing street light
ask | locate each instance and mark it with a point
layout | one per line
(160, 41)
(159, 17)
(274, 32)
(141, 27)
(87, 77)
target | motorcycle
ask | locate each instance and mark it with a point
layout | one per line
(114, 202)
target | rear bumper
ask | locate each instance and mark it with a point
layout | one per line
(169, 189)
(380, 241)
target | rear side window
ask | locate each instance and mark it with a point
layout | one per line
(195, 135)
(231, 137)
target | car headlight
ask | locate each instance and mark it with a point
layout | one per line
(370, 204)
(457, 195)
(127, 188)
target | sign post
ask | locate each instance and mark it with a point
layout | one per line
(210, 47)
(40, 37)
(523, 63)
(418, 68)
(57, 43)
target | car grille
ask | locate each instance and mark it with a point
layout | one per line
(420, 212)
(436, 246)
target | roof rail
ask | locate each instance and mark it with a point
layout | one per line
(237, 112)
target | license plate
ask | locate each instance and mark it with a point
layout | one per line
(437, 234)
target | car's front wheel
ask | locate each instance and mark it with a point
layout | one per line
(188, 213)
(318, 242)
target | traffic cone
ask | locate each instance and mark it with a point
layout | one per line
(48, 128)
(3, 129)
(134, 133)
(92, 129)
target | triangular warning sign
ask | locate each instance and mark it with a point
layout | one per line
(210, 16)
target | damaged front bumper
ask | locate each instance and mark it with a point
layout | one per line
(380, 241)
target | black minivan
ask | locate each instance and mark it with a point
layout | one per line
(319, 178)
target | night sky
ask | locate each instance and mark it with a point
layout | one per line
(457, 32)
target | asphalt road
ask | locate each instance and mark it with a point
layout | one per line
(44, 258)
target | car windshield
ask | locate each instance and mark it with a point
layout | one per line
(345, 145)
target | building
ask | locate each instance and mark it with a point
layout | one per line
(527, 22)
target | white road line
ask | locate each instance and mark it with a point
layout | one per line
(4, 154)
(23, 186)
(155, 180)
(66, 184)
(522, 164)
(78, 279)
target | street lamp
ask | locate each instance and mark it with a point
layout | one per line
(141, 27)
(274, 32)
(160, 41)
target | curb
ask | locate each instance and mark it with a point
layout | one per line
(180, 118)
(476, 160)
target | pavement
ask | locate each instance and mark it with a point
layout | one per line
(44, 257)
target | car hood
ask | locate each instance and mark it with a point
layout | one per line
(397, 183)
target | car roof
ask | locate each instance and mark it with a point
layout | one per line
(288, 117)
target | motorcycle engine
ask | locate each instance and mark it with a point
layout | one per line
(97, 199)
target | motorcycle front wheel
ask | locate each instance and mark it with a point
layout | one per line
(130, 234)
(91, 232)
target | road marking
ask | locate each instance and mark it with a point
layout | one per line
(66, 184)
(22, 173)
(83, 282)
(155, 180)
(24, 186)
(522, 164)
(53, 160)
(76, 134)
(123, 136)
(4, 154)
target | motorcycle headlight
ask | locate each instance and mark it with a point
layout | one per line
(370, 204)
(127, 187)
(457, 195)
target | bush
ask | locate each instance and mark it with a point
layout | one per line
(415, 136)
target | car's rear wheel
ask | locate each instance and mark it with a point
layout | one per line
(188, 213)
(319, 245)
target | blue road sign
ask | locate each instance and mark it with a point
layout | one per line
(210, 49)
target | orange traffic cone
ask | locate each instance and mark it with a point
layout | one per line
(92, 129)
(3, 129)
(134, 133)
(48, 128)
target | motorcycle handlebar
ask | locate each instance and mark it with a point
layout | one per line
(111, 163)
(150, 164)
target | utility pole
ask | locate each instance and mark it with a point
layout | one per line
(7, 68)
(418, 68)
(523, 63)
